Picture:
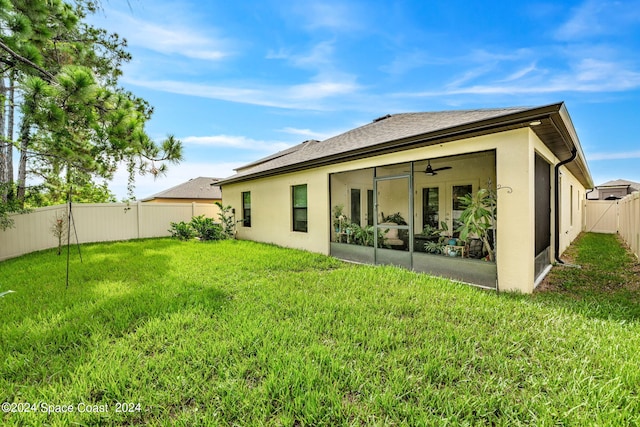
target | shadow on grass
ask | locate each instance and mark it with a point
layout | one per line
(50, 329)
(605, 286)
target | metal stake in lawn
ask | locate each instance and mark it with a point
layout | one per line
(69, 221)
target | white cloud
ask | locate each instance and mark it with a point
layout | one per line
(407, 61)
(584, 21)
(517, 75)
(594, 18)
(255, 96)
(170, 39)
(319, 56)
(178, 41)
(337, 16)
(307, 133)
(588, 75)
(320, 90)
(594, 70)
(470, 75)
(482, 56)
(305, 96)
(328, 81)
(240, 142)
(615, 156)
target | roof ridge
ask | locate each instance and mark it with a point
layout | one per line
(465, 110)
(167, 191)
(402, 129)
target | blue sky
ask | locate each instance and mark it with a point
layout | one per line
(236, 81)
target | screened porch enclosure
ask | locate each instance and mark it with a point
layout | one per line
(408, 214)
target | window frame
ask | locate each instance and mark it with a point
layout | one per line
(246, 212)
(297, 210)
(370, 214)
(355, 201)
(427, 208)
(571, 205)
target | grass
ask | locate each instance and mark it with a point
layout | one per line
(606, 284)
(240, 333)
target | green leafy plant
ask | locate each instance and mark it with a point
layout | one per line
(431, 231)
(206, 229)
(434, 247)
(364, 236)
(182, 230)
(478, 217)
(444, 229)
(9, 206)
(228, 223)
(395, 218)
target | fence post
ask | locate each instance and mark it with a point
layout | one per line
(138, 214)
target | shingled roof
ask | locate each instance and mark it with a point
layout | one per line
(634, 186)
(395, 132)
(631, 186)
(196, 188)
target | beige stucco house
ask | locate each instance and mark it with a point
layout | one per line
(415, 166)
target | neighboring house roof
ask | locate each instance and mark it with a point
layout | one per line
(196, 188)
(620, 183)
(631, 186)
(411, 130)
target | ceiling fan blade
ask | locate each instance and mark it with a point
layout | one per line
(433, 171)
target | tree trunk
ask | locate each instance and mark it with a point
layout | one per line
(25, 136)
(487, 247)
(3, 139)
(10, 124)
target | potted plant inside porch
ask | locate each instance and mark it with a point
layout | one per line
(439, 239)
(478, 218)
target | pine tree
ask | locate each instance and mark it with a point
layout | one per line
(75, 123)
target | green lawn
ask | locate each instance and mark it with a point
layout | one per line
(240, 333)
(607, 284)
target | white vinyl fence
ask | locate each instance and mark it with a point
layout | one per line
(629, 221)
(101, 222)
(601, 216)
(616, 216)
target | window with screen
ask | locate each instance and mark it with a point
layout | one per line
(299, 202)
(246, 208)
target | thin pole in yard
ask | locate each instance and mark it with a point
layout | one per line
(69, 221)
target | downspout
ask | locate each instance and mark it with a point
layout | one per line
(574, 153)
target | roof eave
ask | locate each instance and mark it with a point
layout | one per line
(555, 114)
(564, 125)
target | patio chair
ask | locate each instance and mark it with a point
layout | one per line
(391, 237)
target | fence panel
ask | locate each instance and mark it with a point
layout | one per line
(154, 219)
(101, 222)
(104, 222)
(31, 232)
(601, 216)
(630, 221)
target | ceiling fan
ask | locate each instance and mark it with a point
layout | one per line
(431, 171)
